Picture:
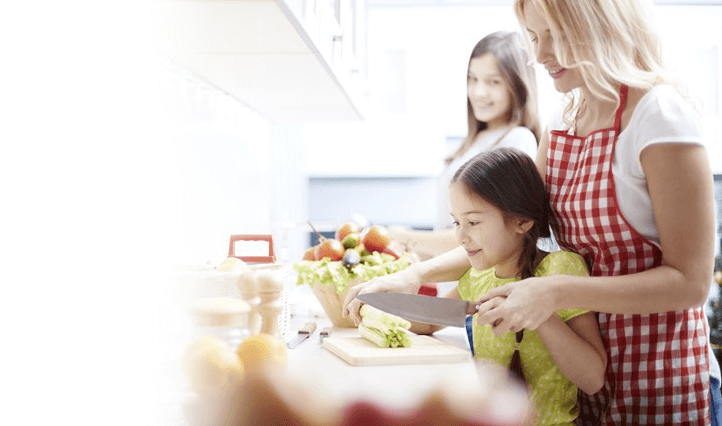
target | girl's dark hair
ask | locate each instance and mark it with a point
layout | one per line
(508, 179)
(518, 74)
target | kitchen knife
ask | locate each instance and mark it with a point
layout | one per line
(425, 309)
(303, 334)
(325, 332)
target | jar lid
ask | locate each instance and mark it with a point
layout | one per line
(220, 311)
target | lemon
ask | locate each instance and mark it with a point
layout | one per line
(211, 366)
(262, 351)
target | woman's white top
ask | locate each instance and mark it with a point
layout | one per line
(661, 116)
(519, 137)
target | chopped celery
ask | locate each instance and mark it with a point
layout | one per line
(374, 336)
(368, 311)
(373, 322)
(383, 329)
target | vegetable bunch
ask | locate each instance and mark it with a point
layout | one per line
(383, 329)
(335, 273)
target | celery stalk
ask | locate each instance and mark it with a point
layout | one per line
(368, 311)
(383, 329)
(371, 322)
(374, 336)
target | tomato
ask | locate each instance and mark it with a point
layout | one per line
(394, 249)
(376, 239)
(331, 248)
(364, 413)
(310, 253)
(346, 229)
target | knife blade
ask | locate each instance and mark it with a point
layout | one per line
(425, 309)
(303, 334)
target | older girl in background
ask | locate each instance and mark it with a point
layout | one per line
(501, 108)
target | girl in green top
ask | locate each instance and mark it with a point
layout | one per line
(500, 211)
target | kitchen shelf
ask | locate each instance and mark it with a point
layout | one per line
(260, 52)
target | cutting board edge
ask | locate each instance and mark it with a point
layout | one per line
(459, 355)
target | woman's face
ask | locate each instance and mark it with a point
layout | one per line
(489, 240)
(488, 93)
(540, 34)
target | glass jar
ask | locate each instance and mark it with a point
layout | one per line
(223, 317)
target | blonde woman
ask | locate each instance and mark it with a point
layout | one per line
(631, 191)
(501, 106)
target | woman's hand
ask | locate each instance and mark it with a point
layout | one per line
(406, 281)
(518, 305)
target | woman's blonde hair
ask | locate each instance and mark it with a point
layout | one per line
(518, 74)
(610, 42)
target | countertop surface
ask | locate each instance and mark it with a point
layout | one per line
(326, 376)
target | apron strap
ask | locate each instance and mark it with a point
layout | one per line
(622, 102)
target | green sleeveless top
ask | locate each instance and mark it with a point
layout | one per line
(554, 396)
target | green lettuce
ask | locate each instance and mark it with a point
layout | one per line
(328, 272)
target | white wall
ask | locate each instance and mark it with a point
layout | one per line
(222, 161)
(692, 45)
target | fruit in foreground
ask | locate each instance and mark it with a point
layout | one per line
(262, 351)
(211, 366)
(331, 248)
(376, 239)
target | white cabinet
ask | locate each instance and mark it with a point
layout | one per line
(291, 61)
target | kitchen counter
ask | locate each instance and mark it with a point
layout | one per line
(467, 387)
(320, 375)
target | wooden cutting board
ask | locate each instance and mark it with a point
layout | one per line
(424, 350)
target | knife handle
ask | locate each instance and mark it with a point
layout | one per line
(472, 307)
(307, 328)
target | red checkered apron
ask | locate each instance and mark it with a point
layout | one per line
(658, 368)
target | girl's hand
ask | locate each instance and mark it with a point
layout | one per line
(405, 281)
(517, 305)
